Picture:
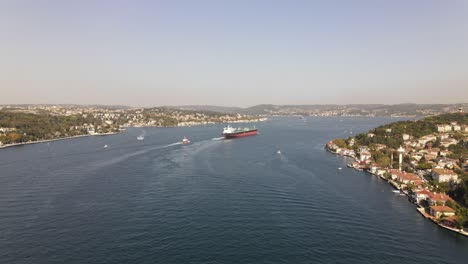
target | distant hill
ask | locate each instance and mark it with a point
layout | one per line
(408, 109)
(336, 110)
(210, 108)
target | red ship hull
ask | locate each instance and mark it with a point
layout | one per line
(241, 134)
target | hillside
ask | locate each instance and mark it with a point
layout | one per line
(415, 110)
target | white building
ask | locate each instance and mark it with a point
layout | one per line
(444, 175)
(444, 128)
(448, 141)
(423, 140)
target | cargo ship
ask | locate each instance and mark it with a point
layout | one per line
(231, 132)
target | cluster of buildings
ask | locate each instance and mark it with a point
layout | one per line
(453, 126)
(421, 183)
(94, 120)
(133, 117)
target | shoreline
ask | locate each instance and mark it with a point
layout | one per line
(56, 139)
(122, 131)
(393, 184)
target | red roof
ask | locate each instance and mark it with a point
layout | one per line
(436, 197)
(439, 197)
(442, 208)
(450, 218)
(444, 172)
(403, 176)
(423, 191)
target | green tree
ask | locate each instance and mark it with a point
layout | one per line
(340, 143)
(424, 166)
(423, 159)
(14, 137)
(384, 161)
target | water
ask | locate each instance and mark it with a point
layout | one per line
(213, 201)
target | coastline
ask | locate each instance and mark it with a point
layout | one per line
(56, 139)
(125, 127)
(393, 184)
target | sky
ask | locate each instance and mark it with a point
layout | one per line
(233, 53)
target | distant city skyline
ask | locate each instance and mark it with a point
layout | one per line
(233, 53)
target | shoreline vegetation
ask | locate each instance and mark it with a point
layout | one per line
(56, 139)
(425, 160)
(38, 124)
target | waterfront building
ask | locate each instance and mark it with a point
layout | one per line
(438, 211)
(420, 195)
(365, 157)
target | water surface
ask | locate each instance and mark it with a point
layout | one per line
(213, 201)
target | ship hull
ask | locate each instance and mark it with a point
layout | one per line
(241, 134)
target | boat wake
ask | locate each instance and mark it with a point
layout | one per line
(217, 138)
(130, 155)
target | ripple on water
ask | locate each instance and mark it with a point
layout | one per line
(212, 201)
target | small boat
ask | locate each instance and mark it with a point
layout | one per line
(396, 191)
(339, 168)
(185, 140)
(105, 146)
(278, 152)
(140, 138)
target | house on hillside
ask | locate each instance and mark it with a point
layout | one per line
(435, 198)
(423, 140)
(444, 128)
(444, 175)
(365, 157)
(444, 136)
(405, 178)
(448, 141)
(434, 152)
(446, 162)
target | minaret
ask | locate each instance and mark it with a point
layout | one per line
(391, 160)
(400, 151)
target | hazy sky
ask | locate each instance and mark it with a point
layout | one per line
(242, 53)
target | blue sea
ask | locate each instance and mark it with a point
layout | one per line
(211, 201)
